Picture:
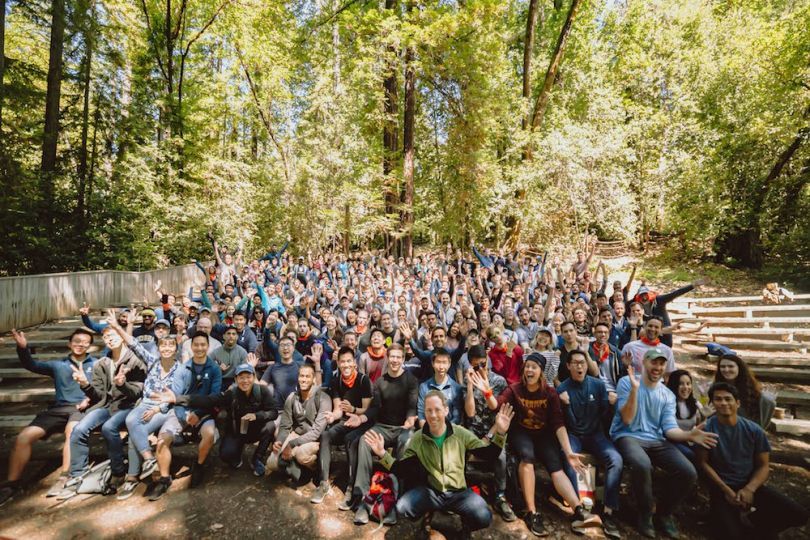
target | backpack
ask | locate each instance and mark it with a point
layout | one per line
(97, 480)
(382, 495)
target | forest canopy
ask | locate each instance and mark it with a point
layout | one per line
(130, 128)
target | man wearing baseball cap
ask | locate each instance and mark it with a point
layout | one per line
(251, 412)
(643, 430)
(145, 333)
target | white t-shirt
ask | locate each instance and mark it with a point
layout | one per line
(638, 348)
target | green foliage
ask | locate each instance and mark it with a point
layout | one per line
(664, 117)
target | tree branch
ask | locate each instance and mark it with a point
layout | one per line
(152, 36)
(205, 27)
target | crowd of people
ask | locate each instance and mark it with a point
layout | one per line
(522, 360)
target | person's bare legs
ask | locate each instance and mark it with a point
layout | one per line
(563, 486)
(527, 481)
(206, 442)
(66, 448)
(164, 454)
(22, 451)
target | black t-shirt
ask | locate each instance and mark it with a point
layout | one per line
(562, 371)
(395, 399)
(354, 395)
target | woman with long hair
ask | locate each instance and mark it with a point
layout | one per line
(754, 404)
(688, 411)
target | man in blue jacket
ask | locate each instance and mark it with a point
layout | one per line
(202, 376)
(62, 415)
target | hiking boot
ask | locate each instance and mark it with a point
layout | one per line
(504, 509)
(645, 526)
(582, 519)
(147, 468)
(361, 516)
(197, 474)
(57, 486)
(161, 487)
(535, 524)
(259, 467)
(610, 527)
(320, 493)
(390, 518)
(666, 524)
(7, 493)
(126, 490)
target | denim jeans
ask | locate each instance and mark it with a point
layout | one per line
(601, 447)
(139, 432)
(469, 506)
(640, 456)
(111, 425)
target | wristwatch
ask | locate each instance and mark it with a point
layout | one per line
(490, 436)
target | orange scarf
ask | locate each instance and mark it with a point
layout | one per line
(602, 350)
(350, 381)
(650, 342)
(374, 356)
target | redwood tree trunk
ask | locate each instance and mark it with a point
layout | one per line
(52, 98)
(406, 197)
(2, 55)
(390, 134)
(86, 72)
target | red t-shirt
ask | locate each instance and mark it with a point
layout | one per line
(534, 410)
(505, 365)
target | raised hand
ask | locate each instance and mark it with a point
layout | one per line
(405, 330)
(85, 309)
(78, 375)
(252, 359)
(504, 418)
(565, 398)
(627, 359)
(121, 377)
(634, 382)
(19, 338)
(375, 441)
(479, 382)
(317, 351)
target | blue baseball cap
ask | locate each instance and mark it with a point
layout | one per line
(245, 368)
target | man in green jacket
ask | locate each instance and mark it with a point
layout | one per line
(441, 450)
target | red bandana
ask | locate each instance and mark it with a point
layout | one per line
(602, 350)
(650, 342)
(350, 381)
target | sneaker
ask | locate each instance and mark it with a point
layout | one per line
(645, 526)
(504, 509)
(7, 493)
(197, 474)
(258, 467)
(348, 502)
(147, 468)
(361, 516)
(610, 527)
(69, 491)
(320, 493)
(535, 524)
(57, 486)
(582, 518)
(666, 524)
(390, 518)
(126, 490)
(161, 487)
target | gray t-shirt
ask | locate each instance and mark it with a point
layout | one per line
(733, 457)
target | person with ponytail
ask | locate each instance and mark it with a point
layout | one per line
(755, 405)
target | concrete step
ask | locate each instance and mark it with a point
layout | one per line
(792, 426)
(19, 373)
(15, 422)
(766, 322)
(798, 298)
(783, 375)
(787, 310)
(26, 393)
(783, 334)
(748, 344)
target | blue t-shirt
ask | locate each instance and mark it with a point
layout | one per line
(588, 402)
(655, 412)
(733, 457)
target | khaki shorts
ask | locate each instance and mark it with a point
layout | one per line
(305, 454)
(172, 426)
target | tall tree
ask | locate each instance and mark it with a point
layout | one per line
(52, 99)
(390, 129)
(88, 31)
(408, 153)
(2, 56)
